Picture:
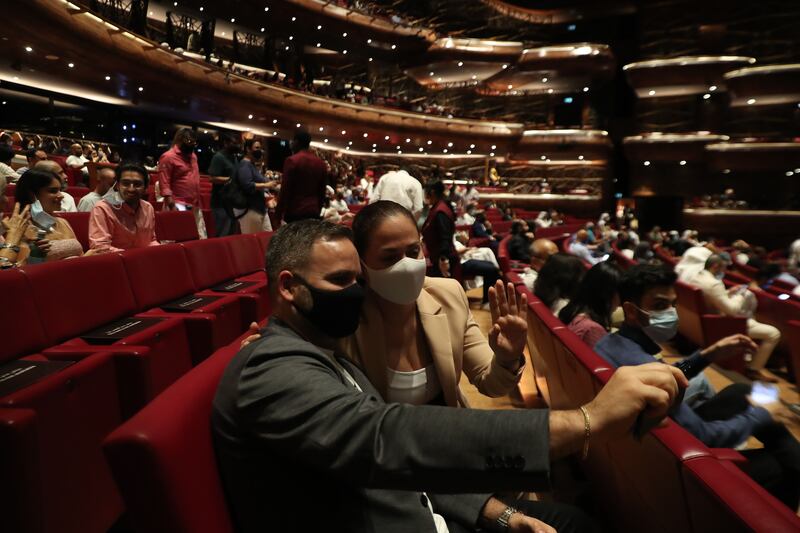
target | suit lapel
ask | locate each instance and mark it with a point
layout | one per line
(437, 333)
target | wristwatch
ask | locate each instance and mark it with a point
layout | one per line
(502, 520)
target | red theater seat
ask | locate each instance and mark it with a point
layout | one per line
(163, 458)
(263, 239)
(177, 226)
(211, 265)
(55, 478)
(80, 225)
(78, 193)
(77, 296)
(159, 275)
(211, 223)
(21, 330)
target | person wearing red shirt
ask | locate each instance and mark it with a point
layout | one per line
(179, 177)
(303, 184)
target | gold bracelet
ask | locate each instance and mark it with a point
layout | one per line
(587, 432)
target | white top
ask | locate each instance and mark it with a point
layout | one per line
(78, 161)
(68, 203)
(399, 187)
(418, 387)
(438, 520)
(88, 202)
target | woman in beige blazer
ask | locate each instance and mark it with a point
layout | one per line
(417, 334)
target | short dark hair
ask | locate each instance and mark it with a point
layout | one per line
(187, 132)
(31, 154)
(371, 216)
(248, 143)
(30, 183)
(228, 138)
(558, 278)
(302, 139)
(516, 227)
(641, 278)
(291, 245)
(594, 295)
(128, 166)
(6, 153)
(714, 260)
(435, 188)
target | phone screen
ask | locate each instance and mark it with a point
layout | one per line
(764, 393)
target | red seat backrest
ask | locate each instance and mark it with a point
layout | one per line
(163, 458)
(691, 307)
(158, 274)
(78, 193)
(11, 191)
(78, 295)
(211, 223)
(21, 328)
(502, 227)
(209, 262)
(502, 254)
(80, 225)
(246, 254)
(74, 176)
(178, 226)
(263, 238)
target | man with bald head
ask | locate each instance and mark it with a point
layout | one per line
(77, 159)
(581, 248)
(67, 202)
(105, 180)
(541, 249)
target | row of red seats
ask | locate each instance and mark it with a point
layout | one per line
(667, 482)
(56, 479)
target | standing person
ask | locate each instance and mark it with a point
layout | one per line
(123, 220)
(253, 184)
(221, 169)
(105, 180)
(303, 183)
(179, 177)
(399, 187)
(437, 233)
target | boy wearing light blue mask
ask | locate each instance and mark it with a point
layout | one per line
(719, 420)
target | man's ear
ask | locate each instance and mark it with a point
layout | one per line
(631, 312)
(285, 283)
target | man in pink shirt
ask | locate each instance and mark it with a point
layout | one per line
(122, 220)
(179, 177)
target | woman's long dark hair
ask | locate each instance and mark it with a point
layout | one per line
(29, 185)
(594, 295)
(558, 278)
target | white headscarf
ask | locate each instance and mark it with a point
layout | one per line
(692, 263)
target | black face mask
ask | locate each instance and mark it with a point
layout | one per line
(257, 154)
(186, 149)
(335, 313)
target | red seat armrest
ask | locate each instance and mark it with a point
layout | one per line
(728, 454)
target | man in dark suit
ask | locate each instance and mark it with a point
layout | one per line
(303, 182)
(305, 442)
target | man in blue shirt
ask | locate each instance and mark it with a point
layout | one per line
(726, 419)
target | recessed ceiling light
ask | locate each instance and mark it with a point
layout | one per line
(321, 128)
(141, 89)
(586, 89)
(494, 147)
(71, 65)
(647, 163)
(445, 150)
(344, 34)
(460, 63)
(472, 146)
(394, 47)
(706, 96)
(683, 162)
(319, 27)
(287, 48)
(266, 9)
(297, 125)
(344, 132)
(652, 92)
(274, 132)
(250, 117)
(544, 80)
(491, 154)
(450, 144)
(430, 142)
(751, 101)
(291, 37)
(549, 91)
(374, 150)
(790, 173)
(350, 142)
(274, 120)
(431, 73)
(319, 44)
(370, 59)
(28, 49)
(326, 140)
(369, 41)
(386, 138)
(108, 78)
(408, 140)
(469, 152)
(233, 20)
(201, 8)
(505, 67)
(263, 29)
(294, 18)
(510, 86)
(543, 157)
(712, 88)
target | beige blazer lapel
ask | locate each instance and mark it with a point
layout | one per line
(437, 332)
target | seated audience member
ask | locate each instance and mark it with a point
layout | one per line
(692, 262)
(400, 187)
(793, 262)
(105, 180)
(545, 219)
(77, 159)
(33, 156)
(49, 238)
(643, 253)
(541, 250)
(466, 217)
(122, 219)
(655, 236)
(582, 248)
(519, 245)
(480, 262)
(7, 174)
(290, 413)
(719, 420)
(67, 200)
(558, 281)
(482, 228)
(737, 301)
(588, 314)
(769, 273)
(339, 203)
